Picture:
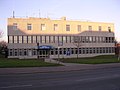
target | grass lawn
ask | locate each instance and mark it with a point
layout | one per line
(5, 63)
(93, 60)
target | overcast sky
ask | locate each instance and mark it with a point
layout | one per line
(87, 10)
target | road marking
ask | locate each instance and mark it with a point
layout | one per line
(98, 78)
(16, 86)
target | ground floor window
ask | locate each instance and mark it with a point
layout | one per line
(62, 51)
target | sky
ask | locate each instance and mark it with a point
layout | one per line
(85, 10)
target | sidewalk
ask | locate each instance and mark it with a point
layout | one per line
(67, 67)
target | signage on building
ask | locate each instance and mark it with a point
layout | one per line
(45, 47)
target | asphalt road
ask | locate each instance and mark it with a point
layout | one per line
(97, 79)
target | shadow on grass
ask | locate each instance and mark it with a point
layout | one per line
(92, 60)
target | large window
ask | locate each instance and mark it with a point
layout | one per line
(29, 39)
(64, 39)
(20, 39)
(43, 39)
(34, 39)
(29, 26)
(55, 27)
(47, 39)
(10, 39)
(38, 39)
(15, 26)
(67, 27)
(56, 39)
(24, 39)
(43, 27)
(15, 39)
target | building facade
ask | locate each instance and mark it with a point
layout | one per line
(46, 38)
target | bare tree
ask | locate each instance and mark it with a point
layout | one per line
(77, 43)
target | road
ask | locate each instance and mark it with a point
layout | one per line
(97, 79)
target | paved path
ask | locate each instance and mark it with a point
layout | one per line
(68, 67)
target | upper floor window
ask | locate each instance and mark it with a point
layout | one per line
(29, 26)
(67, 27)
(79, 28)
(109, 29)
(90, 28)
(20, 39)
(99, 28)
(15, 39)
(24, 39)
(43, 27)
(10, 39)
(15, 26)
(29, 39)
(55, 27)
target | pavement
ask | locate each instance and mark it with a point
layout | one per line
(66, 68)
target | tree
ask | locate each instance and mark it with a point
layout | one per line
(77, 43)
(3, 49)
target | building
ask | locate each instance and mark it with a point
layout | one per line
(46, 38)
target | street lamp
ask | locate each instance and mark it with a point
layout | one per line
(58, 54)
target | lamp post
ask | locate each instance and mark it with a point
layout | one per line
(37, 50)
(58, 54)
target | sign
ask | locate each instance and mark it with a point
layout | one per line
(45, 47)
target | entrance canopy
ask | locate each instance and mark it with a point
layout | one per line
(45, 47)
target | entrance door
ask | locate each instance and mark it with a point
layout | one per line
(43, 53)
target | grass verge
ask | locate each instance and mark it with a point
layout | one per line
(93, 60)
(7, 63)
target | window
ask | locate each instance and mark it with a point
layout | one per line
(79, 28)
(29, 39)
(15, 52)
(20, 52)
(14, 26)
(43, 39)
(20, 39)
(60, 40)
(38, 39)
(64, 39)
(25, 52)
(90, 39)
(56, 39)
(90, 28)
(55, 27)
(10, 52)
(67, 27)
(52, 39)
(47, 39)
(29, 26)
(34, 52)
(10, 39)
(109, 29)
(15, 39)
(24, 39)
(34, 39)
(43, 27)
(68, 39)
(99, 28)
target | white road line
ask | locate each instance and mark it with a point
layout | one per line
(16, 86)
(98, 78)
